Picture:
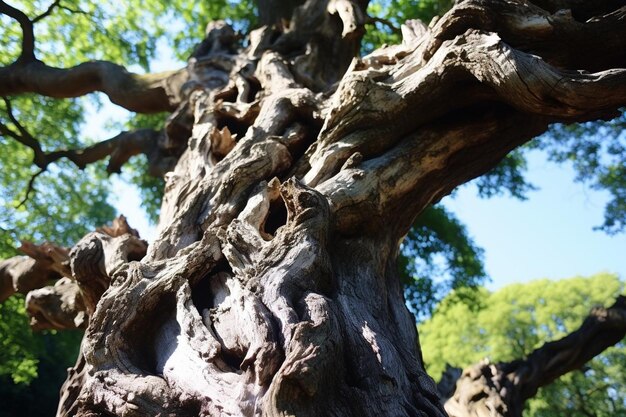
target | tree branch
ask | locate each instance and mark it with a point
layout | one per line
(582, 10)
(386, 22)
(603, 328)
(24, 137)
(599, 42)
(148, 93)
(119, 148)
(74, 11)
(22, 274)
(48, 11)
(30, 187)
(28, 37)
(79, 282)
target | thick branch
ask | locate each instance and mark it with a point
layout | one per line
(58, 307)
(81, 275)
(503, 97)
(98, 255)
(22, 274)
(603, 328)
(582, 10)
(45, 263)
(149, 93)
(599, 43)
(56, 258)
(119, 148)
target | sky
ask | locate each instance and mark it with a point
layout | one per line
(550, 235)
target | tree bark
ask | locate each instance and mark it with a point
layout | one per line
(271, 288)
(147, 93)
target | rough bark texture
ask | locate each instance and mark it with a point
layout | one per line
(271, 288)
(61, 286)
(500, 389)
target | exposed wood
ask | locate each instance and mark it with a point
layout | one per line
(62, 287)
(96, 258)
(287, 296)
(23, 274)
(59, 306)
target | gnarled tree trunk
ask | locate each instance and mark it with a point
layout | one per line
(271, 288)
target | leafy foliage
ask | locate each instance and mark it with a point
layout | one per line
(17, 358)
(437, 256)
(32, 365)
(76, 201)
(506, 177)
(22, 349)
(389, 15)
(123, 32)
(517, 319)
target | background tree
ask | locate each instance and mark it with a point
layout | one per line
(233, 137)
(33, 365)
(512, 322)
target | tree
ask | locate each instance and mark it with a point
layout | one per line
(293, 169)
(512, 322)
(33, 364)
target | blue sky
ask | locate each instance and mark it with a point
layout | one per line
(550, 235)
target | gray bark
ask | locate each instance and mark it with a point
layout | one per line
(271, 288)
